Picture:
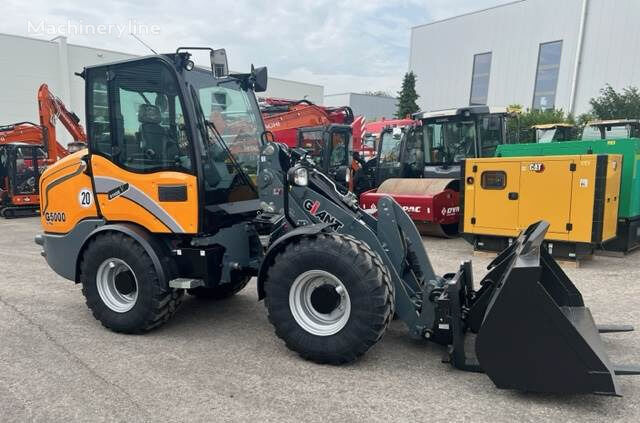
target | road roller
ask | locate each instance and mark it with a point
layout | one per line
(419, 165)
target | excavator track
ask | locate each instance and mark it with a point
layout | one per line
(15, 212)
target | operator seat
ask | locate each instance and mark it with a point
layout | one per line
(154, 140)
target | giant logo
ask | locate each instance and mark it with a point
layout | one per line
(313, 207)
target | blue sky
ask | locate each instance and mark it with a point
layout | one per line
(344, 45)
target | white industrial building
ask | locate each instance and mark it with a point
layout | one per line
(537, 53)
(28, 62)
(372, 107)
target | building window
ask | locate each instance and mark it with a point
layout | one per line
(544, 94)
(480, 79)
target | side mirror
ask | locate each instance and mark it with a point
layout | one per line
(219, 64)
(260, 79)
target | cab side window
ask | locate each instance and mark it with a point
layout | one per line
(98, 114)
(147, 131)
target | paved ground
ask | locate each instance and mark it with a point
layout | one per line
(222, 362)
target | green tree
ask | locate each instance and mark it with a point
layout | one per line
(612, 104)
(407, 96)
(519, 125)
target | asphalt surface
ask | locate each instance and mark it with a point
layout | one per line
(222, 362)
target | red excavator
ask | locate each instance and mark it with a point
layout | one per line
(26, 149)
(329, 134)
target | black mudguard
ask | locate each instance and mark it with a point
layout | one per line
(63, 252)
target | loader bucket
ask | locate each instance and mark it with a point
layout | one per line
(534, 332)
(537, 335)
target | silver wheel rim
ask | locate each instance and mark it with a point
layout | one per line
(113, 295)
(304, 306)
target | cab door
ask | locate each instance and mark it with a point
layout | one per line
(141, 155)
(389, 156)
(337, 157)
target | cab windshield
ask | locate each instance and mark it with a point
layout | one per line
(449, 142)
(545, 135)
(232, 113)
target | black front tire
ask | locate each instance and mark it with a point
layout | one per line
(156, 302)
(363, 275)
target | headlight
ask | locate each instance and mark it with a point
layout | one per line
(299, 176)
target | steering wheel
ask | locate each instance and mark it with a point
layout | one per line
(149, 153)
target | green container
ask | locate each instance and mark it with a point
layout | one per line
(629, 209)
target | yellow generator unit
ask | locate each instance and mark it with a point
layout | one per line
(577, 195)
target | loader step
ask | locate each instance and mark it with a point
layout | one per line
(614, 328)
(185, 283)
(625, 370)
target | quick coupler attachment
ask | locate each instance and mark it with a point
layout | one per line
(534, 332)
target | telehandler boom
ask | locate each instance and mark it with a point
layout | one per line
(161, 203)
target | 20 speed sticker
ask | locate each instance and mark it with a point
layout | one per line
(85, 198)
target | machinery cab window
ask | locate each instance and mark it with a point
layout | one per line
(231, 125)
(491, 130)
(313, 142)
(612, 129)
(415, 152)
(327, 146)
(340, 141)
(146, 131)
(390, 150)
(21, 166)
(450, 141)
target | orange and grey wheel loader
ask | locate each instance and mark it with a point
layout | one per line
(163, 202)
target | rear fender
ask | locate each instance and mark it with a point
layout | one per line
(63, 251)
(157, 251)
(280, 244)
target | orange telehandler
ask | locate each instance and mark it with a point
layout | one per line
(26, 149)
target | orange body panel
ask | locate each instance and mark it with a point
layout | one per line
(141, 203)
(61, 186)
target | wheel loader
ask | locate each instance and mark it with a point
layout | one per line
(161, 204)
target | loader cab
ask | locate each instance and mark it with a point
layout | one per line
(450, 136)
(174, 145)
(611, 129)
(20, 168)
(328, 147)
(396, 154)
(554, 132)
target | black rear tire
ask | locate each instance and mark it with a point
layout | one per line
(223, 291)
(359, 271)
(155, 301)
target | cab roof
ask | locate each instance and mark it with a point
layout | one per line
(613, 122)
(461, 111)
(553, 125)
